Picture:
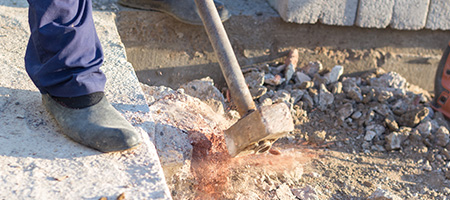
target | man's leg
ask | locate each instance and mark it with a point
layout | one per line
(63, 59)
(182, 10)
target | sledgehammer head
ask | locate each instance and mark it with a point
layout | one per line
(255, 132)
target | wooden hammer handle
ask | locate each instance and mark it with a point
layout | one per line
(227, 59)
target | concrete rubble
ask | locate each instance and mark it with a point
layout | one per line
(393, 114)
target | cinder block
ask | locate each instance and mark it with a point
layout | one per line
(339, 12)
(410, 14)
(298, 11)
(374, 13)
(439, 15)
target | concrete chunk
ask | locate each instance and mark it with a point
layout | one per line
(438, 15)
(374, 13)
(38, 161)
(410, 14)
(298, 11)
(339, 12)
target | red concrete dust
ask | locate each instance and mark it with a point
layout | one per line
(209, 165)
(212, 166)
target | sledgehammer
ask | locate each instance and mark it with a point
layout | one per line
(258, 128)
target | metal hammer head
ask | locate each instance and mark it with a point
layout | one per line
(255, 132)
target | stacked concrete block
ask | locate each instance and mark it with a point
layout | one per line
(410, 14)
(439, 15)
(339, 12)
(374, 13)
(298, 11)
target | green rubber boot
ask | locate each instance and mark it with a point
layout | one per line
(100, 126)
(183, 10)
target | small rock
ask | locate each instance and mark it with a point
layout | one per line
(154, 93)
(345, 111)
(205, 90)
(325, 97)
(284, 192)
(415, 136)
(318, 79)
(391, 123)
(314, 95)
(254, 79)
(336, 88)
(289, 72)
(369, 135)
(424, 128)
(446, 153)
(281, 96)
(317, 137)
(306, 85)
(313, 68)
(427, 167)
(296, 95)
(393, 141)
(334, 74)
(357, 115)
(413, 117)
(365, 145)
(378, 129)
(257, 91)
(265, 101)
(381, 194)
(383, 109)
(301, 77)
(274, 80)
(390, 79)
(306, 193)
(368, 184)
(355, 94)
(442, 136)
(384, 95)
(308, 101)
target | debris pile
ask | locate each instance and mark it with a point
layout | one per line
(382, 110)
(376, 112)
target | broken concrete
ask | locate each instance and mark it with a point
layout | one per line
(38, 162)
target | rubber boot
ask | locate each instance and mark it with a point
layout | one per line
(100, 126)
(183, 10)
(441, 101)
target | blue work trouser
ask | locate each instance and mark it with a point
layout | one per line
(64, 54)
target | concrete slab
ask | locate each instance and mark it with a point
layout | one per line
(374, 13)
(298, 11)
(410, 14)
(339, 12)
(38, 162)
(438, 15)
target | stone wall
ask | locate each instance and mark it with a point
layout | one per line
(397, 14)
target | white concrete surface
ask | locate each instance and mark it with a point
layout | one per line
(374, 13)
(398, 14)
(298, 11)
(37, 161)
(339, 12)
(439, 15)
(410, 14)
